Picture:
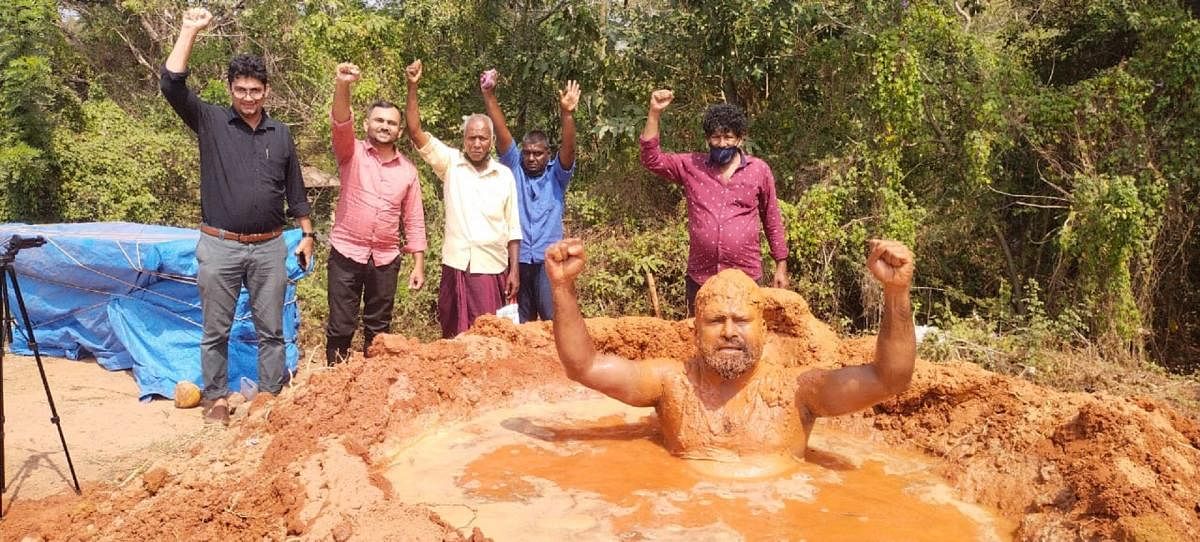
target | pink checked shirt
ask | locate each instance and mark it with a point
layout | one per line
(375, 198)
(723, 217)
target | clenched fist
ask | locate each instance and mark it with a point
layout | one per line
(196, 19)
(564, 261)
(413, 72)
(347, 73)
(488, 79)
(891, 263)
(660, 99)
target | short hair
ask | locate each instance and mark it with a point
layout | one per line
(247, 65)
(467, 120)
(731, 284)
(383, 104)
(725, 116)
(534, 137)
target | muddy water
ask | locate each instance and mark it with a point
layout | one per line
(597, 470)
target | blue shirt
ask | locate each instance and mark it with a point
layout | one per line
(541, 200)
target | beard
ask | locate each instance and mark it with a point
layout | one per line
(380, 139)
(730, 364)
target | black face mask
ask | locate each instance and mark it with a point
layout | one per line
(720, 156)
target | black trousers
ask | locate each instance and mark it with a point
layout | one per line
(351, 284)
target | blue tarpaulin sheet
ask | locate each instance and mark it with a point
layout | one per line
(126, 294)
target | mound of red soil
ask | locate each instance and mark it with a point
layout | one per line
(308, 464)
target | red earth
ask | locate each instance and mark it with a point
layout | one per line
(308, 464)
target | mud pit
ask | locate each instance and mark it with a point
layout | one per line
(327, 460)
(599, 468)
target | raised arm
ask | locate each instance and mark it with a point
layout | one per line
(487, 85)
(568, 100)
(412, 109)
(659, 100)
(845, 390)
(341, 132)
(663, 164)
(194, 20)
(347, 74)
(173, 80)
(633, 383)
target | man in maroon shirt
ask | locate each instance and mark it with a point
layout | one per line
(728, 194)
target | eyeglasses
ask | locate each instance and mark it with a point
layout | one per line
(251, 93)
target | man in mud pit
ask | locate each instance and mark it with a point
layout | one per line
(736, 402)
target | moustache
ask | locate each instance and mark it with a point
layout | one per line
(738, 343)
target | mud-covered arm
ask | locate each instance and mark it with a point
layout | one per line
(632, 383)
(842, 391)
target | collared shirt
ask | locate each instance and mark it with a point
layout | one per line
(481, 209)
(245, 173)
(374, 197)
(542, 199)
(723, 217)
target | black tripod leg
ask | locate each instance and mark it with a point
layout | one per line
(12, 275)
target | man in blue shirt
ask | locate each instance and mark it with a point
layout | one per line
(541, 187)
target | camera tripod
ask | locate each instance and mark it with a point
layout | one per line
(9, 275)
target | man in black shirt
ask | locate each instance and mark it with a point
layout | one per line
(248, 167)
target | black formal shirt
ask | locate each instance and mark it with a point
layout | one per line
(245, 174)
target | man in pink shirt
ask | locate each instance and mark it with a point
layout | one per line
(728, 194)
(380, 193)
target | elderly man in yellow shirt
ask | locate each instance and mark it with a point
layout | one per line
(483, 226)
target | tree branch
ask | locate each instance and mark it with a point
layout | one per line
(137, 54)
(966, 16)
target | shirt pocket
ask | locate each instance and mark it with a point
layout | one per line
(393, 197)
(275, 164)
(743, 197)
(538, 200)
(492, 197)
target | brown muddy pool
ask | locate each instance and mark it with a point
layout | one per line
(595, 470)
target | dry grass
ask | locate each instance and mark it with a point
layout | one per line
(1086, 370)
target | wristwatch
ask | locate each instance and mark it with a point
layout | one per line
(309, 234)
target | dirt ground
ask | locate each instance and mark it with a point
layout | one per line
(102, 421)
(309, 465)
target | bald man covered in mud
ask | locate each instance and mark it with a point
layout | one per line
(735, 403)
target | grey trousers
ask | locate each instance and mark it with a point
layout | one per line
(224, 266)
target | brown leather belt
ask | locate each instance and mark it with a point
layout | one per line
(248, 238)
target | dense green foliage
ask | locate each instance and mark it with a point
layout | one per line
(1041, 157)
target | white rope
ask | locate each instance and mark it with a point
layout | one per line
(133, 287)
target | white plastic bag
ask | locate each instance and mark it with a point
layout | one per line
(510, 312)
(248, 388)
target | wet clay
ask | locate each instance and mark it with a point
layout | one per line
(597, 470)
